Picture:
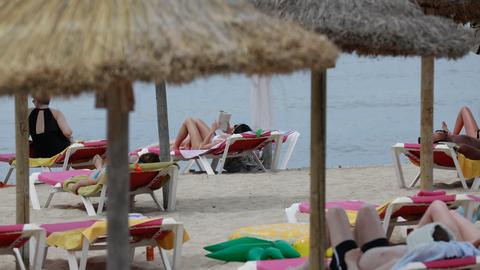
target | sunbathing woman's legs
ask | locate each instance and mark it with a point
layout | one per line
(202, 128)
(188, 128)
(465, 120)
(370, 236)
(463, 229)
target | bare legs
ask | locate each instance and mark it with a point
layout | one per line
(192, 133)
(367, 229)
(464, 120)
(463, 229)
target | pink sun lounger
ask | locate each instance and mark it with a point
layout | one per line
(141, 182)
(399, 212)
(13, 237)
(444, 158)
(77, 155)
(144, 234)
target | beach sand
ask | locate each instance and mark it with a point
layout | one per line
(212, 208)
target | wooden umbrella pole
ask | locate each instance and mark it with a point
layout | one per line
(317, 168)
(118, 175)
(22, 164)
(163, 131)
(426, 124)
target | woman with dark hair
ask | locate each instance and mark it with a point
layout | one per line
(195, 134)
(48, 129)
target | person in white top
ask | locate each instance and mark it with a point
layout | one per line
(195, 134)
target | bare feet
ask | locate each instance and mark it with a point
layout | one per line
(445, 127)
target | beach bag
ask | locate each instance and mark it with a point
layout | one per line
(241, 164)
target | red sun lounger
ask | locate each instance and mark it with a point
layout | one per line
(145, 181)
(399, 212)
(13, 237)
(79, 154)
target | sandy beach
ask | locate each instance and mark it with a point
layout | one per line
(211, 208)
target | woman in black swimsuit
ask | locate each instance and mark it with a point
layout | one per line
(48, 129)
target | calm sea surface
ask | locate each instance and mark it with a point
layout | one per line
(372, 104)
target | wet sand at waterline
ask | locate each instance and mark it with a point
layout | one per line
(212, 208)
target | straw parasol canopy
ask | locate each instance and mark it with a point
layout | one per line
(65, 47)
(463, 11)
(375, 27)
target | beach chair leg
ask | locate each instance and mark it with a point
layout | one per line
(21, 265)
(37, 251)
(476, 183)
(88, 206)
(206, 166)
(188, 166)
(164, 259)
(288, 153)
(103, 198)
(172, 190)
(9, 173)
(398, 167)
(177, 251)
(72, 260)
(258, 161)
(84, 254)
(157, 202)
(415, 180)
(214, 164)
(291, 212)
(33, 192)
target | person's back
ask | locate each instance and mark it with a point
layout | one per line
(47, 132)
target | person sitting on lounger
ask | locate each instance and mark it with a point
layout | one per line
(195, 134)
(48, 129)
(367, 247)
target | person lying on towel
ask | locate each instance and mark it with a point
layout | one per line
(100, 169)
(441, 234)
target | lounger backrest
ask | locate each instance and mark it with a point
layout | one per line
(87, 152)
(439, 158)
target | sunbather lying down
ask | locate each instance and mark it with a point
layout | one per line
(100, 169)
(441, 233)
(195, 134)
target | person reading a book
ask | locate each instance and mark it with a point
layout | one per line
(195, 134)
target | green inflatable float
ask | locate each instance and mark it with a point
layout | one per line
(251, 249)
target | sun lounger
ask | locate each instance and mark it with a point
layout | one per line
(77, 155)
(82, 236)
(13, 237)
(444, 157)
(284, 264)
(235, 145)
(150, 178)
(400, 211)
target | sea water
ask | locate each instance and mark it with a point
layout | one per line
(372, 103)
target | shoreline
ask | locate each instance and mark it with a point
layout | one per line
(212, 208)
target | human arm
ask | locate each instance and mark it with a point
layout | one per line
(62, 124)
(468, 151)
(207, 141)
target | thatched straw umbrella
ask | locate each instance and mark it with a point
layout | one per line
(371, 28)
(67, 47)
(463, 11)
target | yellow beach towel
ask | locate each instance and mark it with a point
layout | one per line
(470, 168)
(72, 240)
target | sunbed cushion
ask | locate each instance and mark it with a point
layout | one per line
(53, 178)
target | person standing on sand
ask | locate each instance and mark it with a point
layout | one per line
(48, 129)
